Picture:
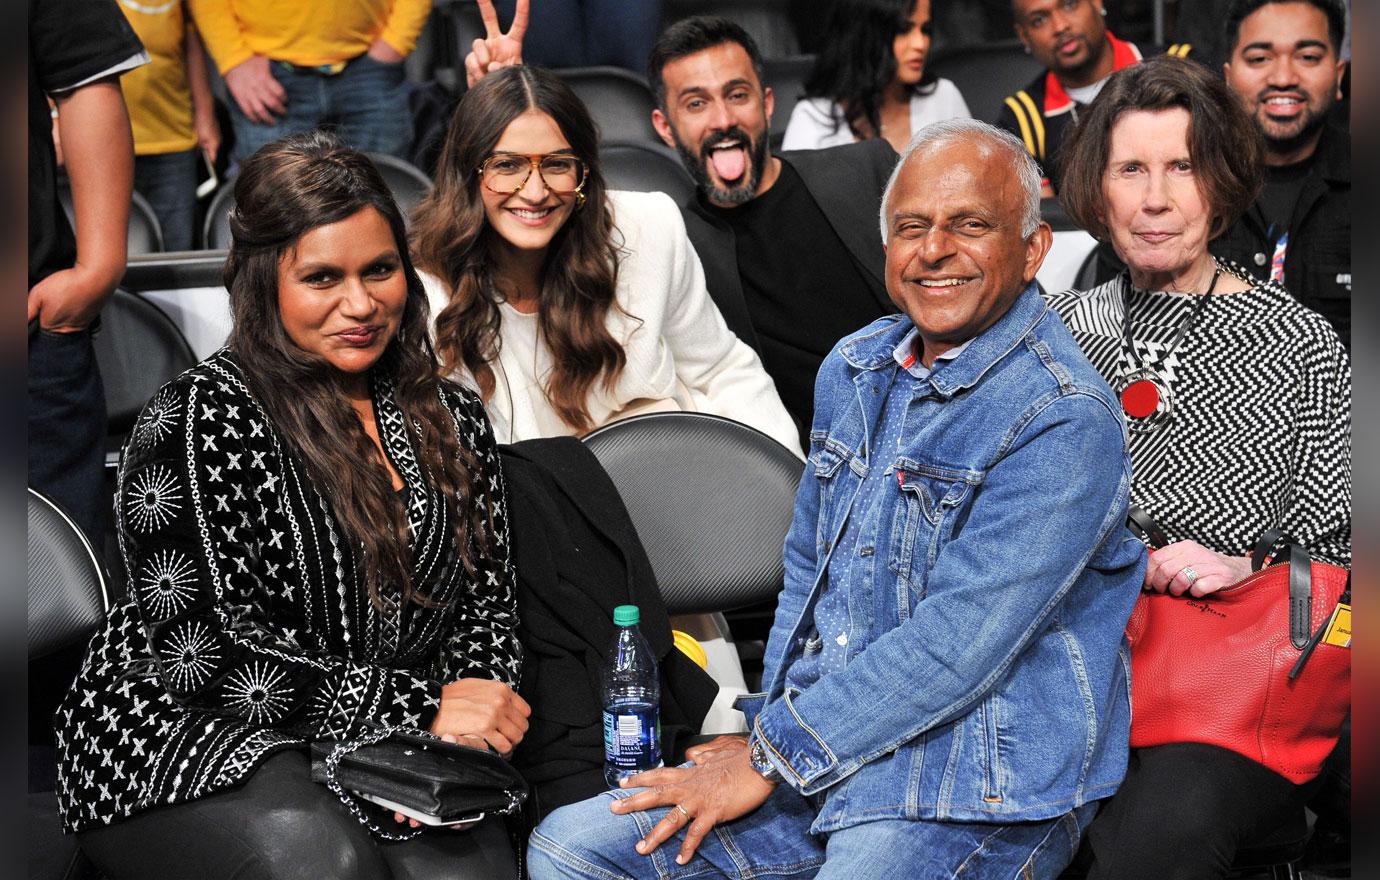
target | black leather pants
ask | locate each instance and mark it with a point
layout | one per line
(282, 826)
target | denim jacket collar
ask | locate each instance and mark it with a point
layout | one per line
(874, 351)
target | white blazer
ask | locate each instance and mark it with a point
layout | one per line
(680, 353)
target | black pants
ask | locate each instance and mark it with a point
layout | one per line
(282, 826)
(1183, 810)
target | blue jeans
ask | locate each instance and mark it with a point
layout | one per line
(366, 104)
(580, 33)
(587, 841)
(168, 182)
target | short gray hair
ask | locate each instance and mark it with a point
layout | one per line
(938, 134)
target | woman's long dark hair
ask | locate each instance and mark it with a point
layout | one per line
(284, 190)
(452, 239)
(857, 62)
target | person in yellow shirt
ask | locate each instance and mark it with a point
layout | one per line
(171, 112)
(292, 67)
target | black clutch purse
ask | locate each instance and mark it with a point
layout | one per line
(419, 773)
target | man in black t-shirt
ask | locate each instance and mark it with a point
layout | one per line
(1286, 69)
(789, 242)
(77, 51)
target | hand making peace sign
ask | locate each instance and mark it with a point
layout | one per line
(497, 49)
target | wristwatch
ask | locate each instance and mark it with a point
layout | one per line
(757, 757)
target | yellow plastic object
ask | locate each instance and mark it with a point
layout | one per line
(690, 647)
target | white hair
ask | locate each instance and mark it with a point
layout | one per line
(939, 134)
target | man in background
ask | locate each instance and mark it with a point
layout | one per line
(292, 66)
(785, 241)
(1070, 38)
(1285, 67)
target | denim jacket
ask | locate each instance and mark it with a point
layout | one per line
(986, 676)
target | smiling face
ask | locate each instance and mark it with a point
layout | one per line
(912, 45)
(955, 256)
(1068, 37)
(1288, 76)
(342, 291)
(716, 117)
(1156, 214)
(528, 219)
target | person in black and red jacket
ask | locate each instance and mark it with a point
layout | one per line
(1070, 38)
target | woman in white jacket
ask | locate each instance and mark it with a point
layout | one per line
(568, 306)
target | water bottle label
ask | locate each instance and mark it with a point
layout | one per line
(632, 739)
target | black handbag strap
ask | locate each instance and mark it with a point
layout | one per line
(1300, 583)
(1145, 527)
(339, 751)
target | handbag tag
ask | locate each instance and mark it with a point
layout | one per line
(1339, 627)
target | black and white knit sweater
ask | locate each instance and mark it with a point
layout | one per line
(247, 630)
(1261, 428)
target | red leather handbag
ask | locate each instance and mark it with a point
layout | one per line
(1262, 667)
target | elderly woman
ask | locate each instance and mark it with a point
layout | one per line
(1238, 403)
(315, 530)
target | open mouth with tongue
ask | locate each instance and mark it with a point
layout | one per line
(729, 158)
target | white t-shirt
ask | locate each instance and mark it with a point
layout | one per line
(813, 119)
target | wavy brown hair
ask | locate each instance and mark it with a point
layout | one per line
(284, 190)
(1226, 148)
(452, 240)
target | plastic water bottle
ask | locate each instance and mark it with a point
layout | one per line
(632, 702)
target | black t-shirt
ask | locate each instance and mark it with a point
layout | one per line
(70, 42)
(1280, 194)
(803, 289)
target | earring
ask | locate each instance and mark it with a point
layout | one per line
(1025, 48)
(579, 200)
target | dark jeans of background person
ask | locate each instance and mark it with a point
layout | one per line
(582, 33)
(1184, 809)
(167, 181)
(281, 825)
(365, 103)
(67, 423)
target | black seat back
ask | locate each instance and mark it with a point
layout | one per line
(138, 348)
(643, 167)
(67, 585)
(145, 235)
(711, 500)
(986, 75)
(619, 100)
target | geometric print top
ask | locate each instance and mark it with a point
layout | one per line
(246, 630)
(1260, 434)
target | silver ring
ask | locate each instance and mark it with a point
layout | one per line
(684, 812)
(1189, 574)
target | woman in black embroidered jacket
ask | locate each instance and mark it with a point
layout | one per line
(315, 531)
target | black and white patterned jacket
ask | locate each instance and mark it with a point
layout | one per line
(246, 630)
(1260, 436)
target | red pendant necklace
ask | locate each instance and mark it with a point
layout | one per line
(1144, 391)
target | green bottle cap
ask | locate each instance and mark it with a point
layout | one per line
(626, 615)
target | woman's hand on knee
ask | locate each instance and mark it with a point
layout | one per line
(481, 707)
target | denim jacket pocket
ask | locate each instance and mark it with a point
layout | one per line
(930, 496)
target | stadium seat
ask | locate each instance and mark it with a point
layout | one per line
(786, 79)
(642, 167)
(145, 235)
(768, 21)
(67, 598)
(619, 100)
(138, 349)
(408, 183)
(715, 542)
(986, 75)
